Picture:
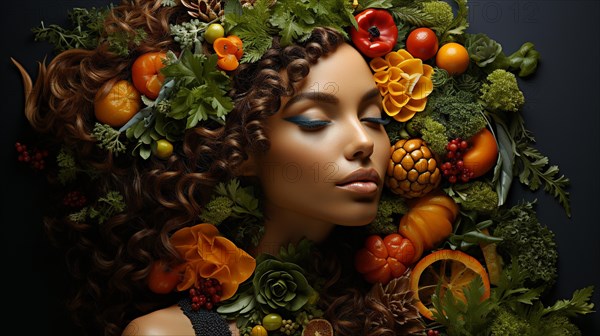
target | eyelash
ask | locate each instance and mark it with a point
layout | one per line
(381, 121)
(308, 124)
(316, 124)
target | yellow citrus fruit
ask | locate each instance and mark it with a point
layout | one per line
(452, 57)
(452, 270)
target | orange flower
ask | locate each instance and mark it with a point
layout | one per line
(209, 255)
(404, 83)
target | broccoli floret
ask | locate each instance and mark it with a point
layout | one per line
(458, 112)
(501, 92)
(217, 210)
(385, 221)
(508, 323)
(477, 196)
(440, 11)
(527, 242)
(558, 325)
(434, 134)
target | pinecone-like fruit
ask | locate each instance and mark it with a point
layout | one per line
(412, 170)
(247, 3)
(204, 10)
(399, 300)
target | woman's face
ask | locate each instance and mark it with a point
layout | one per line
(329, 150)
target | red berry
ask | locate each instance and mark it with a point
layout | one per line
(452, 179)
(208, 306)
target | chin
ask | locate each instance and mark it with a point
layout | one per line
(359, 216)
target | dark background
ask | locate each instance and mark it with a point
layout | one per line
(562, 110)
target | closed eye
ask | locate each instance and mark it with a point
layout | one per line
(380, 121)
(308, 124)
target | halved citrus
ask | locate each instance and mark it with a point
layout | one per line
(452, 270)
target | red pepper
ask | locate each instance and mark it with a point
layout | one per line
(377, 32)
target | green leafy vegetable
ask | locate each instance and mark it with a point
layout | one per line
(527, 242)
(87, 25)
(464, 317)
(201, 88)
(104, 208)
(108, 138)
(67, 168)
(532, 166)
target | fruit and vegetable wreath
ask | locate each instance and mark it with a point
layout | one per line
(445, 249)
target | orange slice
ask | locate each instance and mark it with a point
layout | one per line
(452, 270)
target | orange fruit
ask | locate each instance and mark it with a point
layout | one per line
(116, 103)
(452, 57)
(483, 154)
(452, 270)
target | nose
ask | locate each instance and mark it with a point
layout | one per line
(360, 143)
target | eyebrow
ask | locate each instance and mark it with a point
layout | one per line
(326, 98)
(320, 97)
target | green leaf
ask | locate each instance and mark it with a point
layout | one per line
(503, 173)
(578, 304)
(375, 4)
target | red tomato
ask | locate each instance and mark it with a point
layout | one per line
(163, 278)
(422, 43)
(381, 260)
(146, 75)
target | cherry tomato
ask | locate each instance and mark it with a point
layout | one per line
(163, 278)
(146, 75)
(213, 32)
(422, 43)
(162, 148)
(453, 58)
(120, 104)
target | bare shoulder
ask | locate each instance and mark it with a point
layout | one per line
(163, 322)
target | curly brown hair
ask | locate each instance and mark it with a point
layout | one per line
(110, 262)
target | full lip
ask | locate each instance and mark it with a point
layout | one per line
(361, 175)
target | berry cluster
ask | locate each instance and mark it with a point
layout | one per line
(288, 327)
(34, 158)
(432, 332)
(453, 167)
(74, 199)
(206, 294)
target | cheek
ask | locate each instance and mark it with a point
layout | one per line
(381, 152)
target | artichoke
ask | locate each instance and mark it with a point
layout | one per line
(280, 285)
(482, 49)
(397, 298)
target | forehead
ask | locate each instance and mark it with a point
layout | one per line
(342, 71)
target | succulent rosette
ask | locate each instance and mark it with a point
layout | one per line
(281, 285)
(209, 255)
(404, 83)
(482, 49)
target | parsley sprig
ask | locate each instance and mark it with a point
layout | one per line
(200, 88)
(533, 167)
(292, 20)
